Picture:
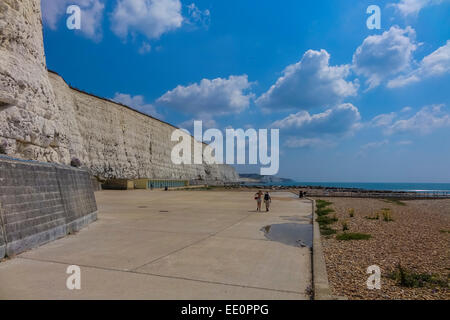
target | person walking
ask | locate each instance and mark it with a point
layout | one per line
(258, 198)
(267, 200)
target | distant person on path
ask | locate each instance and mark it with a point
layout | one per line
(267, 200)
(258, 198)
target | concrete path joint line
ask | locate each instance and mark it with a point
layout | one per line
(162, 276)
(194, 243)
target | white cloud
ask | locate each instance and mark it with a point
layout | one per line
(210, 97)
(149, 17)
(207, 123)
(383, 120)
(309, 83)
(370, 146)
(413, 7)
(137, 102)
(338, 120)
(385, 55)
(406, 109)
(374, 145)
(197, 17)
(145, 48)
(304, 129)
(435, 64)
(91, 15)
(293, 142)
(424, 121)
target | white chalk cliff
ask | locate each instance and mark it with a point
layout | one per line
(42, 118)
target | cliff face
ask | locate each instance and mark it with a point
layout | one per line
(115, 141)
(29, 116)
(41, 118)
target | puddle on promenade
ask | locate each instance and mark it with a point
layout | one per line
(293, 234)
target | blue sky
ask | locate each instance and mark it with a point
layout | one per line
(352, 104)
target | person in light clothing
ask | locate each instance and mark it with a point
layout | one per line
(258, 198)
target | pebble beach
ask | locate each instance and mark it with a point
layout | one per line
(418, 239)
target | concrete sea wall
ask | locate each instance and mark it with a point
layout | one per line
(41, 202)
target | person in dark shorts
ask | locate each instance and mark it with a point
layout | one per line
(267, 200)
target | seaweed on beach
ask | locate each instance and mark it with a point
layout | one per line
(395, 201)
(323, 219)
(387, 215)
(353, 236)
(410, 279)
(327, 231)
(324, 212)
(351, 212)
(320, 204)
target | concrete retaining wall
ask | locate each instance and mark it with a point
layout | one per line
(41, 202)
(320, 277)
(321, 285)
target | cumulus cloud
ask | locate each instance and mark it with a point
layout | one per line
(91, 15)
(413, 7)
(210, 97)
(303, 129)
(337, 120)
(382, 56)
(138, 103)
(425, 121)
(435, 64)
(149, 17)
(309, 83)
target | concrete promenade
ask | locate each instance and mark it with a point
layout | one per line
(170, 245)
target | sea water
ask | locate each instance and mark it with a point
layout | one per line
(385, 186)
